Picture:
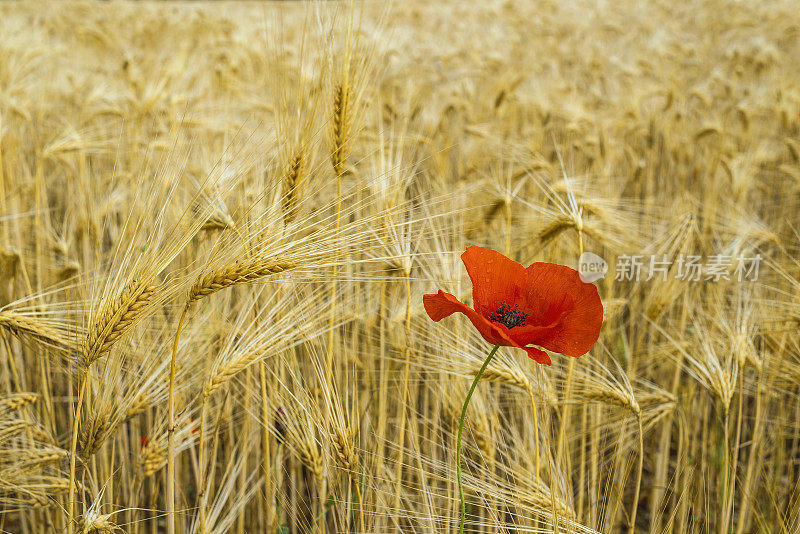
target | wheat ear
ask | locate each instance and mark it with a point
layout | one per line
(116, 318)
(613, 398)
(20, 325)
(341, 122)
(293, 183)
(16, 401)
(243, 272)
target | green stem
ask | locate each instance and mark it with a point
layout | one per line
(460, 430)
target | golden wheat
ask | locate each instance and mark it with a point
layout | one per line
(217, 223)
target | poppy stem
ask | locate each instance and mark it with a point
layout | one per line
(461, 429)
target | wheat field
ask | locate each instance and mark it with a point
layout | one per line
(217, 223)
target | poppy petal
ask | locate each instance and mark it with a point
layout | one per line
(538, 355)
(534, 353)
(495, 279)
(443, 305)
(533, 334)
(573, 303)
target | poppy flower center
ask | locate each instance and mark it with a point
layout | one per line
(508, 315)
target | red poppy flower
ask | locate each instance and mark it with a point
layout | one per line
(547, 305)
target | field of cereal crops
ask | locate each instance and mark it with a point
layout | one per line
(218, 222)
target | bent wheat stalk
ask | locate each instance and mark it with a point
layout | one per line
(244, 272)
(115, 317)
